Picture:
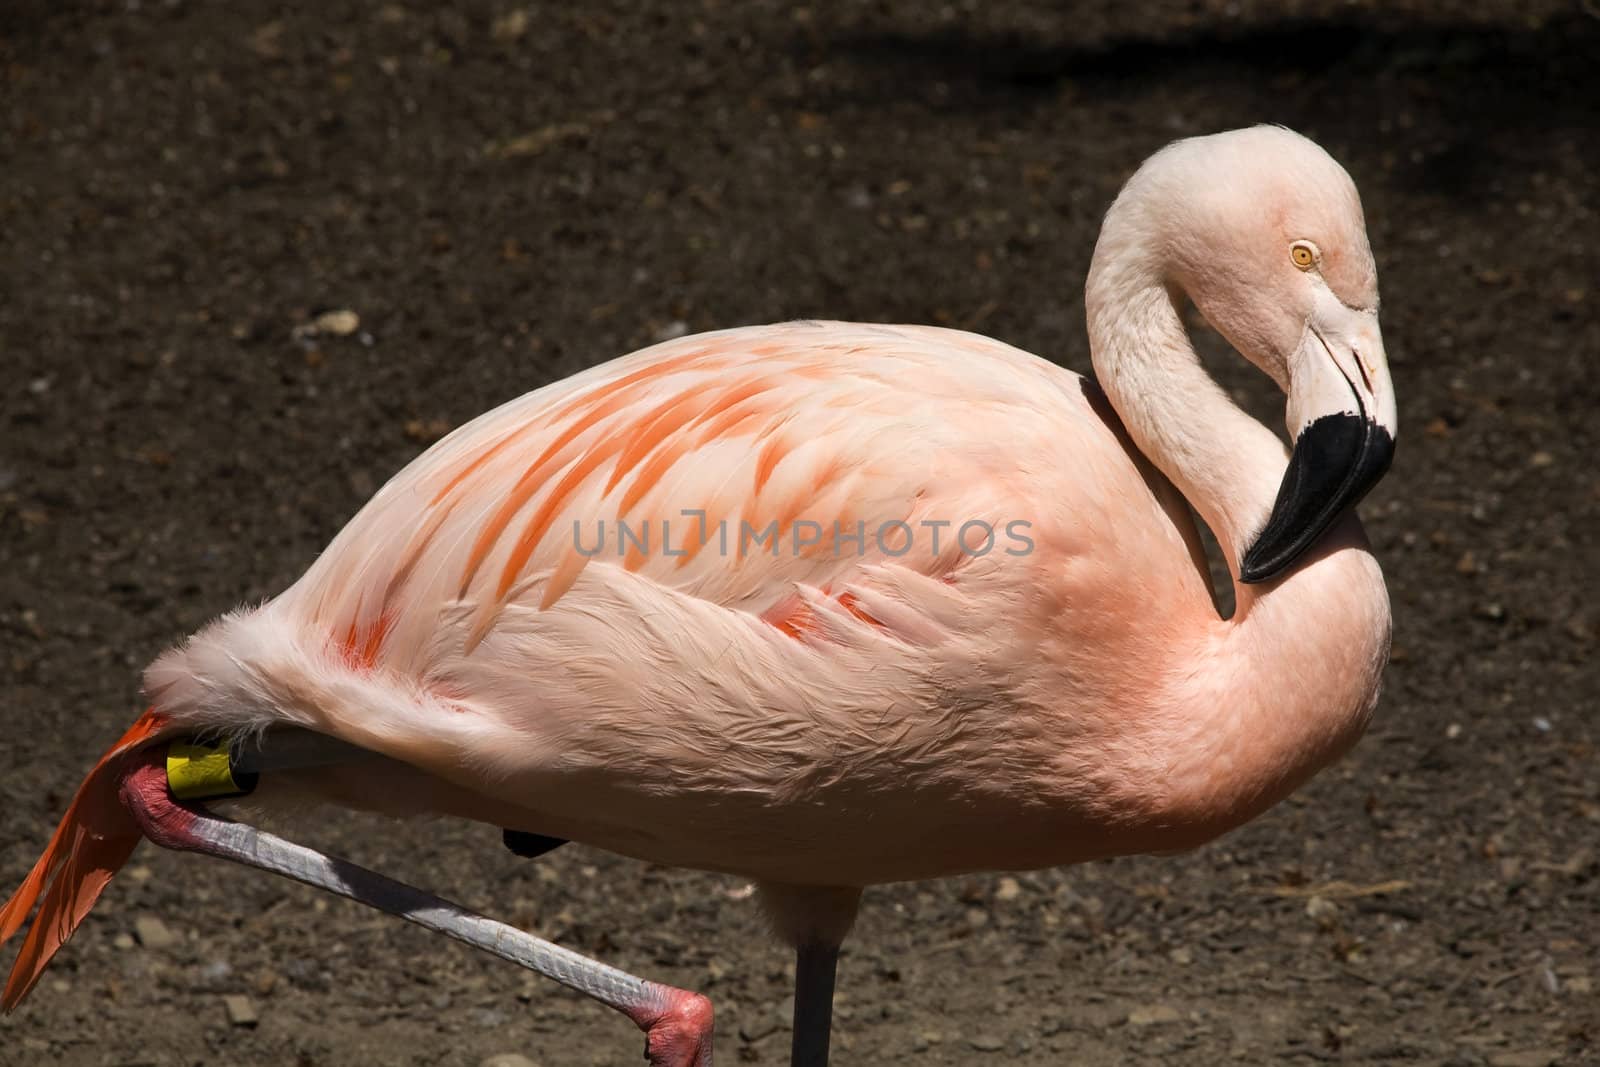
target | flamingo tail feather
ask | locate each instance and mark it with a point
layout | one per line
(95, 838)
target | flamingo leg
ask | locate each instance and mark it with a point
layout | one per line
(676, 1022)
(814, 969)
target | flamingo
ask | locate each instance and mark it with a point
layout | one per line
(781, 670)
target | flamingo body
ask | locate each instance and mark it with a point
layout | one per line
(839, 713)
(894, 602)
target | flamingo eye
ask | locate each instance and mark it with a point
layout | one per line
(1304, 254)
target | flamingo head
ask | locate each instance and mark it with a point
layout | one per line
(1272, 248)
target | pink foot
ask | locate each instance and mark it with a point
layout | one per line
(144, 793)
(677, 1027)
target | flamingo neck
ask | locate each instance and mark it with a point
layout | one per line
(1226, 464)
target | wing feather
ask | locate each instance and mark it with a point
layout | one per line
(750, 458)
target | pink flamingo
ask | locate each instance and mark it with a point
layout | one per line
(782, 670)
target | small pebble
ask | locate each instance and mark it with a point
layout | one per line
(1321, 908)
(241, 1010)
(216, 970)
(1153, 1015)
(340, 323)
(1531, 1058)
(508, 1059)
(509, 27)
(1008, 889)
(153, 933)
(762, 1026)
(986, 1043)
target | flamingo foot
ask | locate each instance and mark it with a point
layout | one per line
(677, 1027)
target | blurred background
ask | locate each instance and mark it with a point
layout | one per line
(257, 256)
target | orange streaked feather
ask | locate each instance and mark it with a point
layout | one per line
(93, 840)
(532, 480)
(587, 411)
(413, 553)
(601, 433)
(367, 655)
(794, 617)
(730, 427)
(772, 454)
(636, 556)
(851, 603)
(584, 411)
(539, 525)
(653, 430)
(478, 461)
(687, 361)
(737, 393)
(651, 473)
(758, 404)
(562, 578)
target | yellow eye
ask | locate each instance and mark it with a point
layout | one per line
(1304, 254)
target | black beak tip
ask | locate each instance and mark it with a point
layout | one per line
(1252, 570)
(1262, 564)
(1335, 461)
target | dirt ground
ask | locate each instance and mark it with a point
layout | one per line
(504, 195)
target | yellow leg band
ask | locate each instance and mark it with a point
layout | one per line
(196, 772)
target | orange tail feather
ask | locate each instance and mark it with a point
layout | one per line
(95, 838)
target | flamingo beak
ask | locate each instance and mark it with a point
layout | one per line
(1342, 417)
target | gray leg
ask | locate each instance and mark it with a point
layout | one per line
(813, 1004)
(677, 1023)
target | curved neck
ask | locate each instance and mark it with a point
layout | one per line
(1226, 464)
(1294, 675)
